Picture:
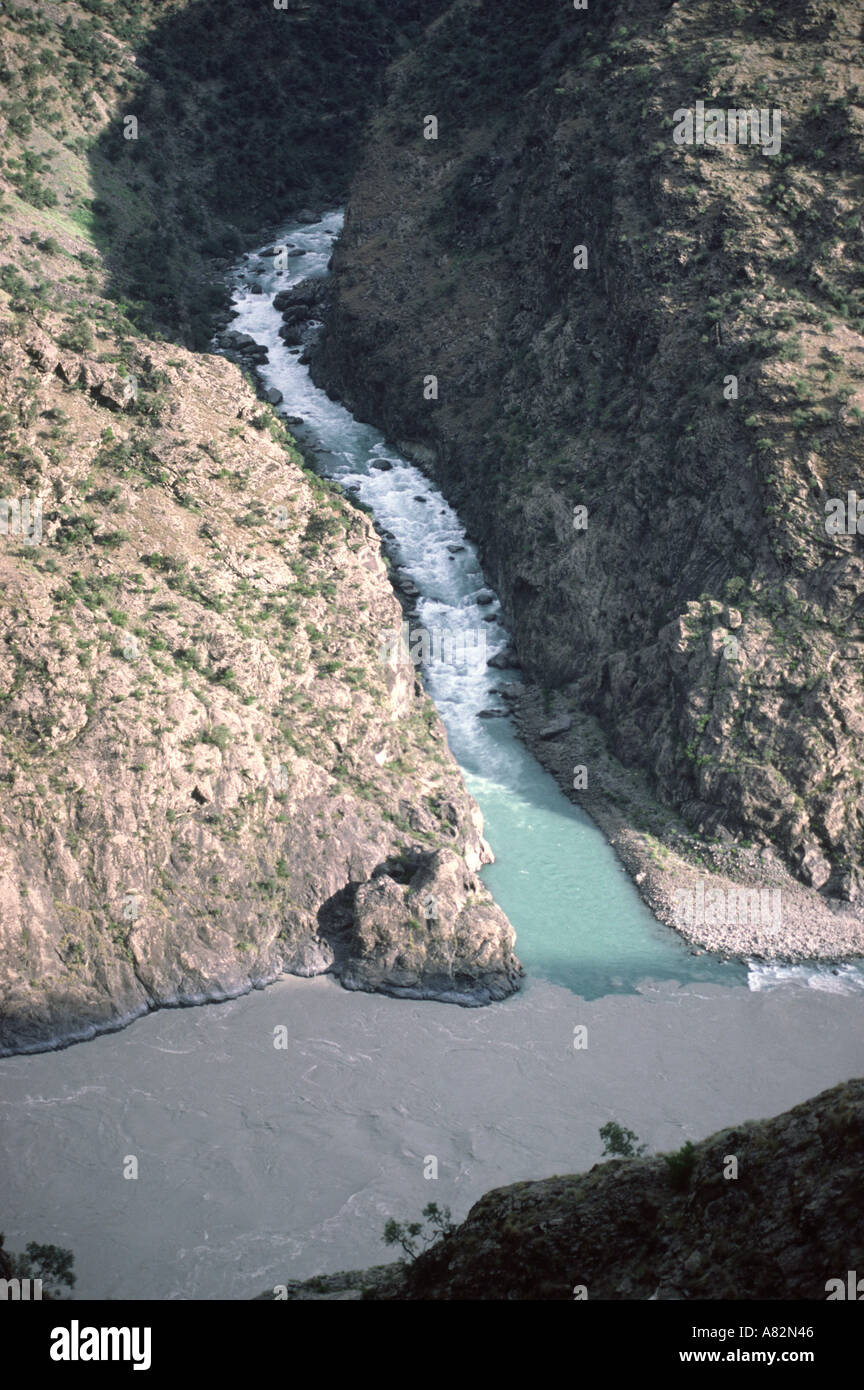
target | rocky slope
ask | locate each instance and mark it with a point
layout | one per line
(645, 447)
(204, 761)
(171, 140)
(235, 124)
(666, 1227)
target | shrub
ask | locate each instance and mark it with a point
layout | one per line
(620, 1142)
(681, 1165)
(408, 1234)
(78, 337)
(219, 736)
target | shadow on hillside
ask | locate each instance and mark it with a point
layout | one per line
(234, 118)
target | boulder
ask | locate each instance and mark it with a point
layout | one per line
(815, 868)
(296, 313)
(117, 393)
(238, 342)
(309, 292)
(94, 374)
(42, 350)
(505, 660)
(403, 581)
(68, 368)
(560, 725)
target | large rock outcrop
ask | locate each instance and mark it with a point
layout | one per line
(202, 754)
(460, 945)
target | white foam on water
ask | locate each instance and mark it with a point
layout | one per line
(844, 978)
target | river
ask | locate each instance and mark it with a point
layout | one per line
(258, 1164)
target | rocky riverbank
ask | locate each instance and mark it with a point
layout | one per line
(703, 887)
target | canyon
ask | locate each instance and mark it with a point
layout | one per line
(558, 381)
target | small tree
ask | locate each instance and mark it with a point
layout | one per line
(50, 1263)
(620, 1142)
(409, 1234)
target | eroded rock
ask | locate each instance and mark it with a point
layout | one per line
(440, 935)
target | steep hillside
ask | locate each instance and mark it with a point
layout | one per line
(690, 1225)
(204, 760)
(173, 137)
(645, 434)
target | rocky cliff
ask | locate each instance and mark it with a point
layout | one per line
(637, 367)
(766, 1210)
(204, 761)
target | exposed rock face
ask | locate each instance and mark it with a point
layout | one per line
(696, 389)
(792, 1220)
(238, 125)
(460, 945)
(202, 755)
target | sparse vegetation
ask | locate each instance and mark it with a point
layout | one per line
(619, 1142)
(413, 1237)
(680, 1165)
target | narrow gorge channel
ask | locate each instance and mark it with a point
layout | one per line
(579, 920)
(262, 1164)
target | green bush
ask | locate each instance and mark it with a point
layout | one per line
(18, 118)
(78, 337)
(681, 1165)
(50, 1263)
(219, 736)
(620, 1142)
